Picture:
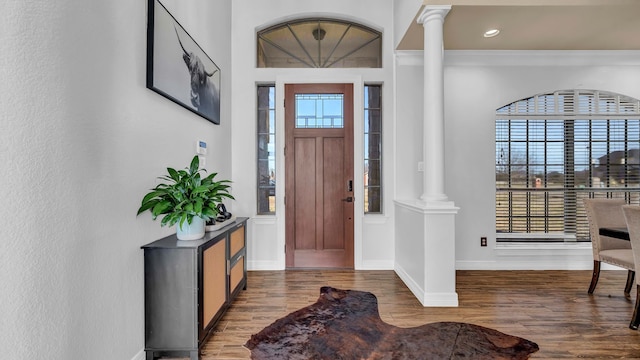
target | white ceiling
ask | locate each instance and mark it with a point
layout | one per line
(535, 25)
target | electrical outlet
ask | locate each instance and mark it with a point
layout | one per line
(483, 241)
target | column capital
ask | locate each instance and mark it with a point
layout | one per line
(431, 12)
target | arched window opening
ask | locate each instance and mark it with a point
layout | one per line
(319, 43)
(555, 149)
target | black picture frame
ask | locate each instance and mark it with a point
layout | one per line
(178, 68)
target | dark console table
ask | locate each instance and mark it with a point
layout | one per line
(188, 285)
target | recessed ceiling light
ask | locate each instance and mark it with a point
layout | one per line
(491, 33)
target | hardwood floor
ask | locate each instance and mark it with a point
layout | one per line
(551, 308)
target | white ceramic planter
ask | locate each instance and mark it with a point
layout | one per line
(193, 231)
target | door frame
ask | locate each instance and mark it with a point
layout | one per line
(358, 162)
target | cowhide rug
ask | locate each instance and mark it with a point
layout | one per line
(345, 324)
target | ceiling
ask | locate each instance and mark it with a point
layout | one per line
(535, 25)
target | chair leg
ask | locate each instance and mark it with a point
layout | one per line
(630, 280)
(635, 319)
(596, 275)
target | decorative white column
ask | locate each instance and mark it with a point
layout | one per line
(432, 19)
(425, 228)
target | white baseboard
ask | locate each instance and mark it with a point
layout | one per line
(523, 265)
(440, 300)
(264, 265)
(275, 265)
(530, 265)
(460, 265)
(140, 355)
(376, 265)
(427, 299)
(413, 286)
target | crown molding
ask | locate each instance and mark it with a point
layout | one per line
(525, 57)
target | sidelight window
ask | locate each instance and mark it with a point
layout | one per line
(266, 142)
(372, 149)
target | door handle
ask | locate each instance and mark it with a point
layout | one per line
(348, 199)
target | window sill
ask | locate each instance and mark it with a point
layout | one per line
(540, 246)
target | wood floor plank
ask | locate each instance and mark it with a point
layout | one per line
(551, 308)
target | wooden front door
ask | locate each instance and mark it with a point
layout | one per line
(319, 175)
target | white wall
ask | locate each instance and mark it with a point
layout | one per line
(410, 251)
(81, 141)
(374, 234)
(404, 12)
(409, 124)
(476, 84)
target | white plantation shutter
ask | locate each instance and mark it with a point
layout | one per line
(555, 149)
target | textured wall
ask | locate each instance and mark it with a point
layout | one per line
(81, 140)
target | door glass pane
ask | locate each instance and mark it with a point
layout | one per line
(314, 111)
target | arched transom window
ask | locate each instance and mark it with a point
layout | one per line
(319, 43)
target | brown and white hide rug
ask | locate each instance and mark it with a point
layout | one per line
(345, 324)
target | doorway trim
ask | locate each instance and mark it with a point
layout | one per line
(358, 166)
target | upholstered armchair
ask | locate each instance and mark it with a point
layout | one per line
(608, 213)
(632, 215)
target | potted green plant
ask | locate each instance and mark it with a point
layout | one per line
(186, 200)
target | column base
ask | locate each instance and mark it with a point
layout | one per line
(425, 250)
(428, 198)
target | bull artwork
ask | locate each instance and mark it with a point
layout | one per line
(205, 96)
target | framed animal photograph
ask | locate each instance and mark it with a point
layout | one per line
(178, 68)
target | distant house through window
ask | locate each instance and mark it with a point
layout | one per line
(555, 149)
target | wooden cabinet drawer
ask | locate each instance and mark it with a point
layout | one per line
(237, 274)
(237, 241)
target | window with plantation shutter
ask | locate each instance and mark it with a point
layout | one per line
(552, 151)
